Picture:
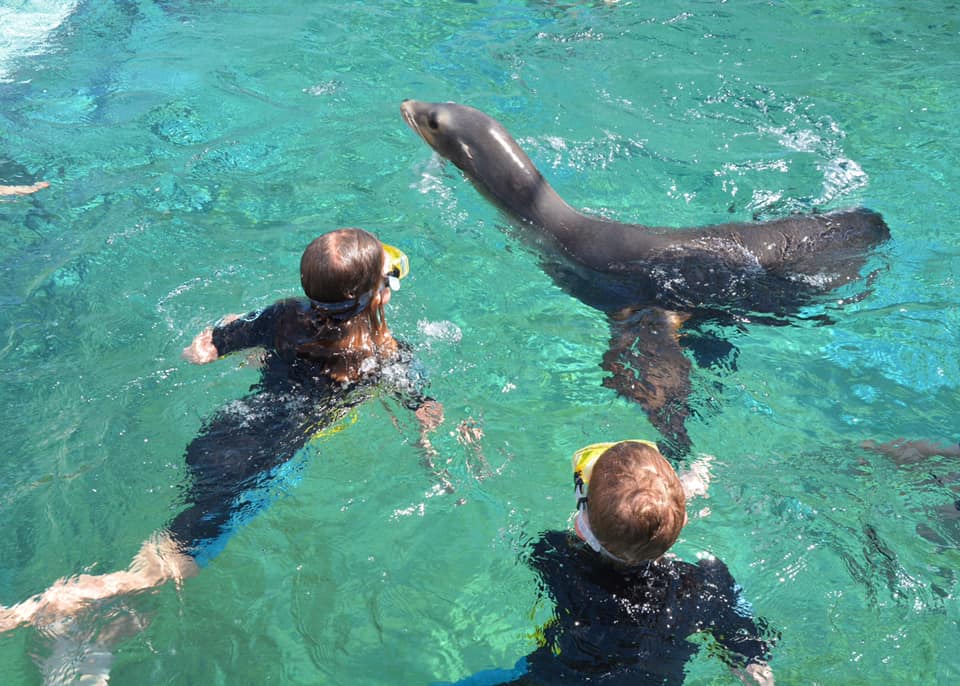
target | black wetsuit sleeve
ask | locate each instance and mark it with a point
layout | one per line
(733, 624)
(546, 556)
(249, 331)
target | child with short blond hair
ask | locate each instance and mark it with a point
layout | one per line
(623, 608)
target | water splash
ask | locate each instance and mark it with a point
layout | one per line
(25, 31)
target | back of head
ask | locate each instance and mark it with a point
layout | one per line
(341, 265)
(342, 272)
(637, 504)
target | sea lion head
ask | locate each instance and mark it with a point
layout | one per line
(479, 146)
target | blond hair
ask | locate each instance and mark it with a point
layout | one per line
(636, 502)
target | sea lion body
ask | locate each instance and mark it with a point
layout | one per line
(734, 270)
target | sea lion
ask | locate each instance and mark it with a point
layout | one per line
(651, 280)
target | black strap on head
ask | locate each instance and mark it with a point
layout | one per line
(578, 486)
(345, 309)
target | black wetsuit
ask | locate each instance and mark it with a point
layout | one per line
(630, 626)
(240, 460)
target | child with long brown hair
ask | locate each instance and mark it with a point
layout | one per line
(323, 354)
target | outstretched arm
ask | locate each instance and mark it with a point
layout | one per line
(430, 416)
(469, 433)
(746, 640)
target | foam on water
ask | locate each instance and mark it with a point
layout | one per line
(25, 30)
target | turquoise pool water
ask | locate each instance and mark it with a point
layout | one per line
(194, 148)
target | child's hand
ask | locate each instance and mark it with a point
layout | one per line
(430, 415)
(469, 432)
(201, 350)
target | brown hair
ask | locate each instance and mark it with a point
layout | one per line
(636, 502)
(338, 267)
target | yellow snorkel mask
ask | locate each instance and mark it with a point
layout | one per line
(398, 266)
(584, 459)
(582, 463)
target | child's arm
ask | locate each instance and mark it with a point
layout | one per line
(430, 416)
(746, 640)
(233, 333)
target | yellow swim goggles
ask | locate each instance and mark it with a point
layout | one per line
(584, 459)
(398, 266)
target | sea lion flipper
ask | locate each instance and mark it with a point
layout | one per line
(649, 367)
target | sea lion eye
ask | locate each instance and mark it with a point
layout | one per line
(432, 121)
